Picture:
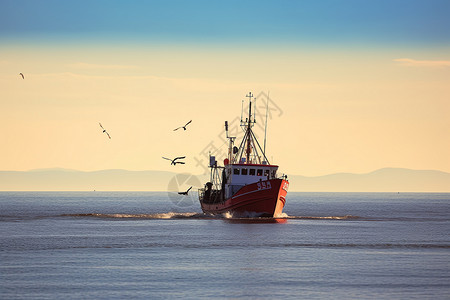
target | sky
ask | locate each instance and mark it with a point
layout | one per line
(353, 86)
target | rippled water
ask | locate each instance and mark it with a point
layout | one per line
(108, 245)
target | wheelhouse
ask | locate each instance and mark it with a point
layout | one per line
(242, 174)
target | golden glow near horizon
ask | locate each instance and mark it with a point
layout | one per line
(339, 112)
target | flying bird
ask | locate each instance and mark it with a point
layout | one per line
(174, 161)
(184, 127)
(105, 130)
(23, 77)
(185, 193)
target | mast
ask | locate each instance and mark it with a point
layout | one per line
(250, 95)
(249, 149)
(230, 145)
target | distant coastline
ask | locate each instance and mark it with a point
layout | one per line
(382, 180)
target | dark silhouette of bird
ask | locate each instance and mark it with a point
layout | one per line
(174, 161)
(185, 193)
(23, 77)
(184, 127)
(104, 130)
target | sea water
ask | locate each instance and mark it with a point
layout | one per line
(146, 245)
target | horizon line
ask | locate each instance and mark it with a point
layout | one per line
(149, 170)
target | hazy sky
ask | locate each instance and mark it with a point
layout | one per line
(355, 85)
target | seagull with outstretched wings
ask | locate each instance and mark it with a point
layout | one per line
(174, 161)
(185, 193)
(184, 127)
(104, 130)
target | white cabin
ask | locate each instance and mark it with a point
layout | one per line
(239, 175)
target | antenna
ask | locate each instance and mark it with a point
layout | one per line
(265, 130)
(242, 109)
(254, 114)
(249, 96)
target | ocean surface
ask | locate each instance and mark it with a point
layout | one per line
(147, 245)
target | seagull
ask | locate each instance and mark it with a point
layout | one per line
(23, 77)
(104, 130)
(184, 127)
(174, 162)
(185, 193)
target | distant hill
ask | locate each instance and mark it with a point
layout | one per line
(383, 180)
(72, 180)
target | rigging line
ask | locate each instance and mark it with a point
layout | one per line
(217, 149)
(260, 148)
(241, 148)
(242, 109)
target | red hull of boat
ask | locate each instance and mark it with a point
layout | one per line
(263, 198)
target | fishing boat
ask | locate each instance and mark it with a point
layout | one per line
(247, 185)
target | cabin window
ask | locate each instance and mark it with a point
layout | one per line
(236, 171)
(259, 172)
(252, 172)
(244, 171)
(274, 174)
(266, 173)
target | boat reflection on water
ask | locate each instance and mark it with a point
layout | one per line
(256, 220)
